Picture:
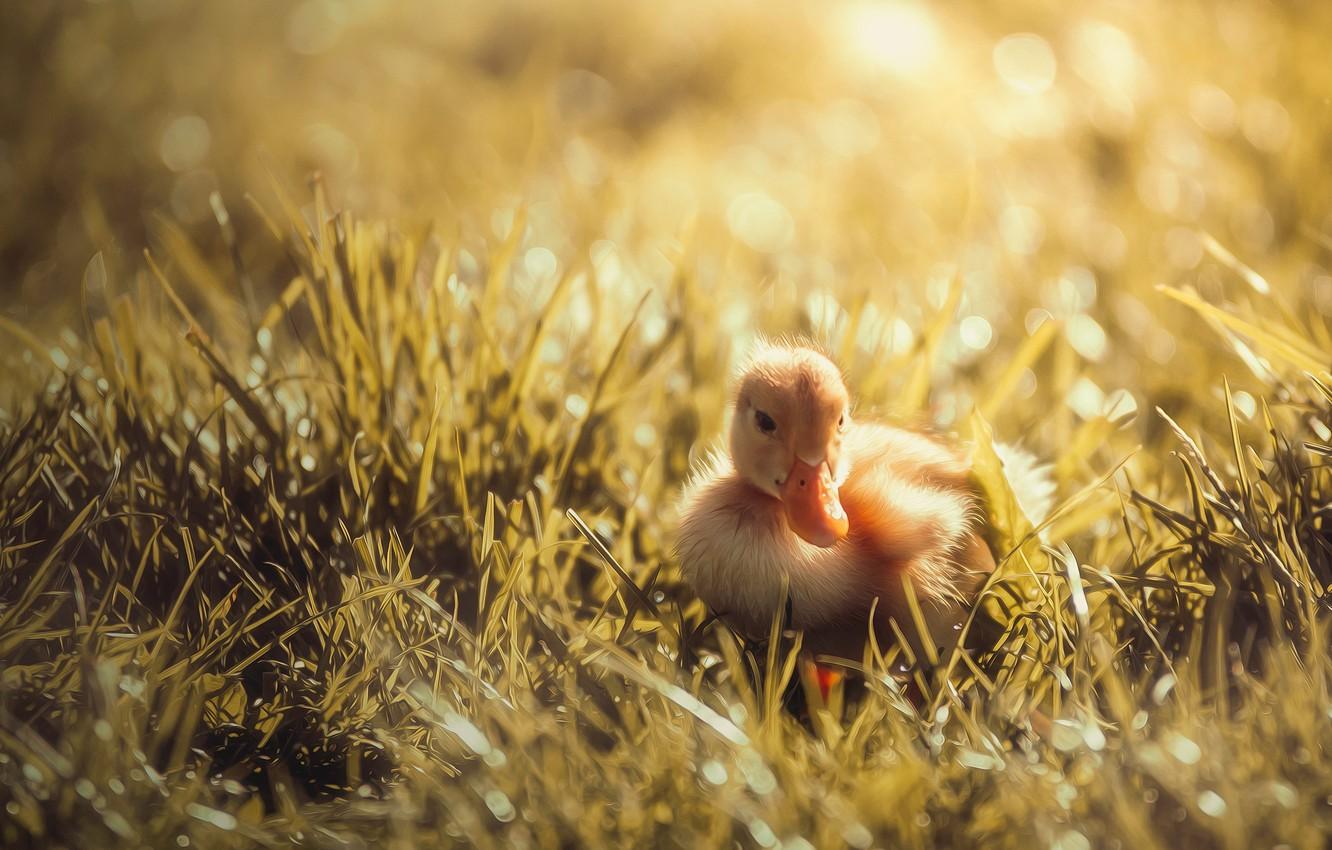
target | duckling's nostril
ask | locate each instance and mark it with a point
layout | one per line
(802, 482)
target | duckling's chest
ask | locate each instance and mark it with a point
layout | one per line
(744, 562)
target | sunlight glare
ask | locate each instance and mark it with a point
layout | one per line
(900, 38)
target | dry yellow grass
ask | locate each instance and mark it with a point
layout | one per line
(342, 515)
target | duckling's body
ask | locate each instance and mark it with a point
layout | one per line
(893, 504)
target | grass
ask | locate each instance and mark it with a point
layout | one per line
(341, 516)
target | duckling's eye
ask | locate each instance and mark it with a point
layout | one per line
(765, 423)
(841, 421)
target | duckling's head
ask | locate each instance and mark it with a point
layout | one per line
(791, 410)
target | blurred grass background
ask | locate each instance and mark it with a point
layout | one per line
(285, 546)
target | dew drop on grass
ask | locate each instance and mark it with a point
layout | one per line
(1284, 795)
(1211, 803)
(1245, 405)
(763, 834)
(857, 835)
(714, 772)
(500, 806)
(1071, 840)
(1323, 432)
(1185, 750)
(757, 774)
(116, 822)
(1066, 736)
(1094, 737)
(1162, 688)
(1059, 673)
(576, 405)
(976, 761)
(552, 351)
(208, 440)
(221, 820)
(645, 435)
(1065, 793)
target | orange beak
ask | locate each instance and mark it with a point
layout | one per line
(812, 508)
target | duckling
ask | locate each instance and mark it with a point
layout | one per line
(827, 515)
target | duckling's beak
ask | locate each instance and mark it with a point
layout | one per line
(812, 508)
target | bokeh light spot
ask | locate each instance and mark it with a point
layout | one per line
(313, 27)
(1212, 109)
(1266, 124)
(540, 263)
(1086, 336)
(976, 333)
(1085, 398)
(1021, 229)
(185, 142)
(1025, 62)
(760, 222)
(899, 37)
